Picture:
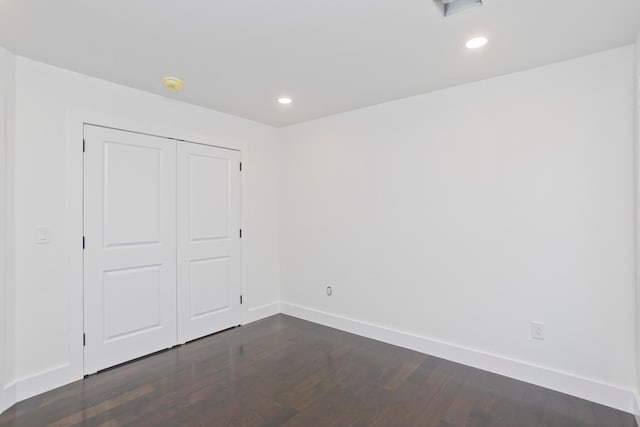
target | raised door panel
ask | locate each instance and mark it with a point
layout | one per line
(141, 310)
(208, 198)
(132, 206)
(209, 286)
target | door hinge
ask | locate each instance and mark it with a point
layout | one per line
(83, 242)
(83, 145)
(241, 233)
(240, 166)
(84, 339)
(240, 299)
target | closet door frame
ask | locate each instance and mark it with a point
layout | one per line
(73, 368)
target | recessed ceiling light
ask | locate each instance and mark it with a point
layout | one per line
(174, 84)
(285, 100)
(476, 42)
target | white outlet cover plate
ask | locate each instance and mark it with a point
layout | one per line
(537, 330)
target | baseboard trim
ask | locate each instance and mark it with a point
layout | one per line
(8, 394)
(49, 379)
(258, 313)
(43, 381)
(585, 388)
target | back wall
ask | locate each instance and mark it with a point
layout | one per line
(460, 216)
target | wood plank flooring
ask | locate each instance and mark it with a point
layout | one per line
(283, 371)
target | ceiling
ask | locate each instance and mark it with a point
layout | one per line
(239, 56)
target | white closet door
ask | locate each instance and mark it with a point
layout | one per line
(208, 240)
(130, 253)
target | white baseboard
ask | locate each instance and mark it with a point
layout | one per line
(585, 388)
(261, 312)
(43, 381)
(7, 397)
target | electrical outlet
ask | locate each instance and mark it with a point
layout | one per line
(329, 290)
(537, 330)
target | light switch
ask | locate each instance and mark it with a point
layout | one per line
(42, 235)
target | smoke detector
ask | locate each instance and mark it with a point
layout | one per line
(451, 7)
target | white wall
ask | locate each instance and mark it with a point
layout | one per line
(46, 100)
(453, 219)
(637, 157)
(7, 86)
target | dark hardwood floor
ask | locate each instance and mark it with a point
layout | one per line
(283, 371)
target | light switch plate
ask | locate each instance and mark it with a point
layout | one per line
(42, 235)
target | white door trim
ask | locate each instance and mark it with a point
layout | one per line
(160, 136)
(3, 248)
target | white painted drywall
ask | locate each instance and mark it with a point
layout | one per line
(458, 215)
(7, 87)
(464, 214)
(637, 234)
(45, 99)
(3, 238)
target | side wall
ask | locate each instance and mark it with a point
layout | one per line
(7, 89)
(448, 222)
(48, 349)
(637, 157)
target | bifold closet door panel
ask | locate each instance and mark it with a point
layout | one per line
(130, 246)
(208, 212)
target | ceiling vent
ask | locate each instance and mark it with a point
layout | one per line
(451, 7)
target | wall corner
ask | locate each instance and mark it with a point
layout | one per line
(7, 318)
(637, 219)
